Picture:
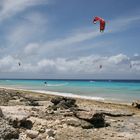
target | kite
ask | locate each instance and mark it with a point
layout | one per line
(102, 23)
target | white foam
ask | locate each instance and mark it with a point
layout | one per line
(68, 95)
(91, 81)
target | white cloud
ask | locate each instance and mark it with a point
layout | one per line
(8, 64)
(136, 54)
(83, 65)
(31, 28)
(113, 65)
(121, 58)
(36, 18)
(136, 65)
(12, 7)
(73, 38)
(31, 49)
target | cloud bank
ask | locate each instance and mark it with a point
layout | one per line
(81, 66)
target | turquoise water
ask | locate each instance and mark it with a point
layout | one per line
(120, 90)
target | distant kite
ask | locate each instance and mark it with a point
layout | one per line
(19, 63)
(102, 23)
(100, 66)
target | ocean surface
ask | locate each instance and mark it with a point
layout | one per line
(115, 90)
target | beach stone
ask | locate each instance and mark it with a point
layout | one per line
(38, 138)
(15, 102)
(22, 136)
(24, 123)
(85, 115)
(117, 113)
(32, 133)
(68, 113)
(50, 132)
(69, 102)
(41, 129)
(136, 104)
(95, 118)
(75, 122)
(1, 114)
(42, 136)
(33, 103)
(50, 138)
(17, 117)
(57, 100)
(63, 103)
(86, 125)
(7, 132)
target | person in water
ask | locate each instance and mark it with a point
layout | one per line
(45, 83)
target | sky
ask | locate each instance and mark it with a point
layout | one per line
(56, 39)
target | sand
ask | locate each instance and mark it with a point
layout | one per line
(60, 123)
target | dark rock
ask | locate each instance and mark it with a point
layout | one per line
(70, 102)
(57, 100)
(136, 104)
(24, 123)
(1, 114)
(98, 120)
(63, 102)
(7, 132)
(52, 107)
(62, 105)
(117, 114)
(33, 103)
(95, 118)
(29, 101)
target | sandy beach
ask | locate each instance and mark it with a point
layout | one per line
(27, 115)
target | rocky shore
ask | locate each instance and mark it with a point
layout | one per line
(25, 115)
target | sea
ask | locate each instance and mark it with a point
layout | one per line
(112, 90)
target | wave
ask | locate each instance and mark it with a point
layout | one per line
(68, 95)
(7, 80)
(91, 81)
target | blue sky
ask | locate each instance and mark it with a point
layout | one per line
(57, 39)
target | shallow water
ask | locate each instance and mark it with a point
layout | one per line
(121, 90)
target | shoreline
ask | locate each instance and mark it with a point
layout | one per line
(69, 95)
